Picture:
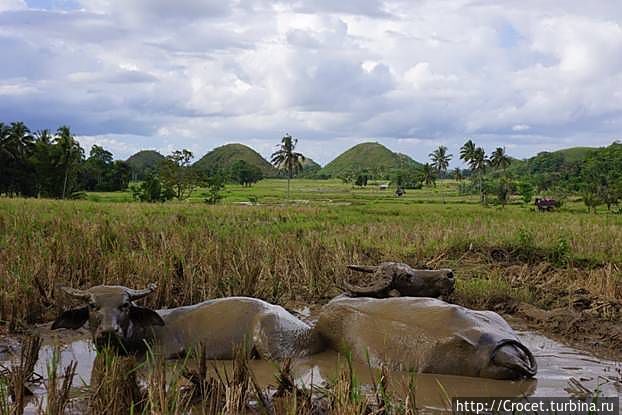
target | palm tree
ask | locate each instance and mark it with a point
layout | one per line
(70, 153)
(440, 162)
(286, 159)
(428, 174)
(440, 159)
(478, 164)
(467, 151)
(499, 159)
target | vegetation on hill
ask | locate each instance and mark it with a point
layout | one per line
(374, 158)
(309, 168)
(224, 157)
(143, 163)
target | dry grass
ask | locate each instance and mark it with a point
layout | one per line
(284, 255)
(58, 385)
(279, 254)
(114, 385)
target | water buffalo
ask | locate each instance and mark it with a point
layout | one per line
(427, 335)
(221, 325)
(394, 279)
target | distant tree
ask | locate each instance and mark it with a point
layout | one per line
(177, 175)
(120, 175)
(285, 158)
(16, 173)
(69, 155)
(467, 151)
(478, 163)
(215, 185)
(361, 179)
(525, 189)
(602, 174)
(457, 173)
(97, 169)
(503, 190)
(440, 162)
(244, 173)
(499, 159)
(42, 161)
(150, 190)
(440, 159)
(428, 175)
(590, 198)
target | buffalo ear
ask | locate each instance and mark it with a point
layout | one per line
(145, 317)
(72, 319)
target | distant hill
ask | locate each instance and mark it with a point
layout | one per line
(373, 157)
(224, 156)
(566, 161)
(309, 168)
(144, 162)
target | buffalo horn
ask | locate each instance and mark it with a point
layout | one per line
(363, 268)
(138, 294)
(377, 287)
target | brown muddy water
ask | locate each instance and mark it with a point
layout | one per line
(562, 371)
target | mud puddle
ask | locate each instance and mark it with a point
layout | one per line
(562, 371)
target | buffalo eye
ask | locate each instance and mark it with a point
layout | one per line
(93, 306)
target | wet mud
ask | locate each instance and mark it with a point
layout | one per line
(563, 371)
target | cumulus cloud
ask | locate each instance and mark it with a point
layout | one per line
(131, 74)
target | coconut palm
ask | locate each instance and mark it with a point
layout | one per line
(478, 164)
(286, 159)
(440, 162)
(467, 151)
(428, 174)
(70, 153)
(440, 159)
(499, 159)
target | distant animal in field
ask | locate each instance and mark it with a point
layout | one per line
(394, 279)
(426, 335)
(399, 192)
(220, 326)
(546, 204)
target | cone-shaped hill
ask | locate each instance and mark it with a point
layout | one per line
(143, 163)
(225, 156)
(371, 157)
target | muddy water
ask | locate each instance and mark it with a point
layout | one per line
(562, 371)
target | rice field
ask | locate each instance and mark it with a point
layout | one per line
(294, 253)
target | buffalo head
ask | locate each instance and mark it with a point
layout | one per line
(393, 278)
(113, 317)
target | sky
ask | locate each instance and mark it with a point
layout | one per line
(527, 75)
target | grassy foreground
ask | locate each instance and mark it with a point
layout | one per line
(297, 252)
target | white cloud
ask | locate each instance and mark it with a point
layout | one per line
(12, 5)
(129, 74)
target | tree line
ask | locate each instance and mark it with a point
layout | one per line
(54, 165)
(46, 164)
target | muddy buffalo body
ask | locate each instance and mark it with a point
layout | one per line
(220, 326)
(422, 334)
(426, 335)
